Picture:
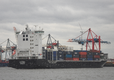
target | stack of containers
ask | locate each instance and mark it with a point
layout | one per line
(83, 55)
(89, 56)
(49, 54)
(60, 55)
(54, 55)
(75, 55)
(96, 56)
(68, 55)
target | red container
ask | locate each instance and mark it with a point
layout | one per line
(83, 56)
(83, 53)
(75, 59)
(96, 56)
(68, 59)
(54, 43)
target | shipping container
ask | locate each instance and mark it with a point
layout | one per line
(49, 55)
(76, 59)
(89, 58)
(83, 53)
(60, 55)
(96, 56)
(83, 56)
(54, 55)
(68, 55)
(68, 58)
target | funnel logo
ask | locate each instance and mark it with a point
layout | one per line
(22, 62)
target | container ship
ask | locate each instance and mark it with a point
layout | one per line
(31, 54)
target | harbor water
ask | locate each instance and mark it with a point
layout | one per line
(106, 73)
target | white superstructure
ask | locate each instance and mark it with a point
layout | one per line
(29, 44)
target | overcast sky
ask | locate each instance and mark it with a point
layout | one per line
(60, 18)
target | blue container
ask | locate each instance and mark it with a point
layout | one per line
(89, 58)
(68, 55)
(54, 55)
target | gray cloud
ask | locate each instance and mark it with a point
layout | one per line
(54, 11)
(61, 18)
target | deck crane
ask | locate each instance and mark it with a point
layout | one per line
(91, 38)
(9, 48)
(51, 42)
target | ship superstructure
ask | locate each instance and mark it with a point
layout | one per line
(29, 44)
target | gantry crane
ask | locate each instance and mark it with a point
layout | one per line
(91, 38)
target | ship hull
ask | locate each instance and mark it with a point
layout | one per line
(43, 63)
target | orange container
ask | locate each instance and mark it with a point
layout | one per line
(96, 56)
(83, 53)
(75, 59)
